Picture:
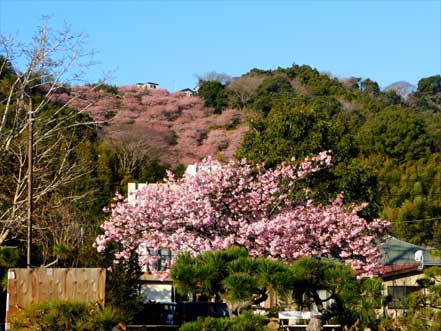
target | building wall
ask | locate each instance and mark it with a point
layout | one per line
(410, 280)
(400, 282)
(157, 292)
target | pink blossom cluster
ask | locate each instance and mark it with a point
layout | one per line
(60, 98)
(158, 92)
(236, 203)
(100, 104)
(155, 114)
(131, 89)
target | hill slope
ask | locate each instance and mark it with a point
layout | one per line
(177, 128)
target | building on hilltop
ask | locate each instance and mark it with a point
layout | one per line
(188, 92)
(148, 85)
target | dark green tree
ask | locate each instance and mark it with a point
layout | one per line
(347, 299)
(373, 136)
(397, 133)
(274, 85)
(235, 277)
(214, 94)
(428, 95)
(230, 275)
(429, 85)
(370, 87)
(295, 126)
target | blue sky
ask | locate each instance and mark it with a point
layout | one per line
(170, 42)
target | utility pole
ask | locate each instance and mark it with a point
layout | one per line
(30, 168)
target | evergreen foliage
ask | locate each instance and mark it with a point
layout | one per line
(244, 322)
(243, 281)
(213, 92)
(421, 309)
(383, 147)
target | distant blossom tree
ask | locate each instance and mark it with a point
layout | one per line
(239, 204)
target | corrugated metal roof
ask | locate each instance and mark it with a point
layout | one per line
(395, 251)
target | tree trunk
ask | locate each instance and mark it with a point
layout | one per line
(315, 324)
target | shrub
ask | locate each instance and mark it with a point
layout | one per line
(247, 321)
(65, 316)
(171, 138)
(207, 324)
(107, 88)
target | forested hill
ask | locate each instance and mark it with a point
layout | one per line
(386, 149)
(385, 144)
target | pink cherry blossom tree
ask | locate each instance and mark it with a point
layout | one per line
(240, 204)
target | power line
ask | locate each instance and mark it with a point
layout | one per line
(420, 220)
(392, 180)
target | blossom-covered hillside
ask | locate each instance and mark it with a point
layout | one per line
(176, 127)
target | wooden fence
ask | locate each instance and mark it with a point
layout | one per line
(29, 286)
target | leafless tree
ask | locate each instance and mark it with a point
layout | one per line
(244, 88)
(131, 150)
(31, 74)
(220, 77)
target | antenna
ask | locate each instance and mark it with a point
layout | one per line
(419, 257)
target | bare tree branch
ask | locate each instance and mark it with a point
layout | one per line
(51, 60)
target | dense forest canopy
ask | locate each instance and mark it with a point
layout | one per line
(385, 144)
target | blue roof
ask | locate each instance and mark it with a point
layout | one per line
(395, 251)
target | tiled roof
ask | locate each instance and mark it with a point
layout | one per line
(399, 269)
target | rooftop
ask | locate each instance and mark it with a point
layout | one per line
(398, 252)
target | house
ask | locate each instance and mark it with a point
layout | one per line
(188, 92)
(148, 85)
(401, 259)
(152, 288)
(404, 264)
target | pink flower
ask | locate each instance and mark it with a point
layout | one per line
(225, 204)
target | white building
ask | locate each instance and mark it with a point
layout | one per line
(148, 85)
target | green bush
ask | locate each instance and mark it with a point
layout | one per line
(207, 324)
(244, 322)
(65, 316)
(247, 321)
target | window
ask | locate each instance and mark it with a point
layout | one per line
(399, 292)
(165, 257)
